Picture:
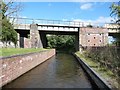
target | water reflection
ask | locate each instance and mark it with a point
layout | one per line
(66, 66)
(61, 71)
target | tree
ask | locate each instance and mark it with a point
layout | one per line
(10, 8)
(8, 34)
(61, 42)
(89, 26)
(115, 11)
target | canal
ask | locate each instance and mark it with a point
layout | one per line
(60, 71)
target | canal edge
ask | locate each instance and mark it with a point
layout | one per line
(95, 77)
(15, 65)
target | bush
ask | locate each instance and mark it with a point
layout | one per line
(61, 42)
(106, 56)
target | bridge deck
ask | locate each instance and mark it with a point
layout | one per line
(48, 27)
(59, 25)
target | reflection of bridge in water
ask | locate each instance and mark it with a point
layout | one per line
(85, 36)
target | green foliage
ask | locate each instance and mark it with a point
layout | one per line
(104, 72)
(89, 26)
(8, 34)
(65, 42)
(115, 11)
(106, 56)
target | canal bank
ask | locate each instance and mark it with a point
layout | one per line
(14, 66)
(60, 71)
(96, 79)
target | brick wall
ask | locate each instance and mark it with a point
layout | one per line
(13, 67)
(93, 36)
(27, 43)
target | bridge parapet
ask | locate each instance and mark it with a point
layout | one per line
(58, 28)
(22, 26)
(112, 25)
(112, 28)
(113, 31)
(47, 28)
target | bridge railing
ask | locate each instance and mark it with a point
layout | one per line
(53, 22)
(45, 22)
(25, 23)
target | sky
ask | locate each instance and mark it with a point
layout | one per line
(69, 11)
(95, 12)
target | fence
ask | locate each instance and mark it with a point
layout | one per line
(54, 22)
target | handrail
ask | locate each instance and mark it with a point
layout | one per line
(46, 21)
(21, 20)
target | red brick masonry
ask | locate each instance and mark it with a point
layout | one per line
(12, 67)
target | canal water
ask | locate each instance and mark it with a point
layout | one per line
(60, 71)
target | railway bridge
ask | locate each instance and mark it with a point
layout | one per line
(32, 33)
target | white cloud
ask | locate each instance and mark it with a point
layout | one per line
(102, 19)
(97, 22)
(86, 6)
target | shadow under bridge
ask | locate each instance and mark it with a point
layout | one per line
(58, 30)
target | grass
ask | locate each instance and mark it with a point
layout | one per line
(102, 71)
(17, 51)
